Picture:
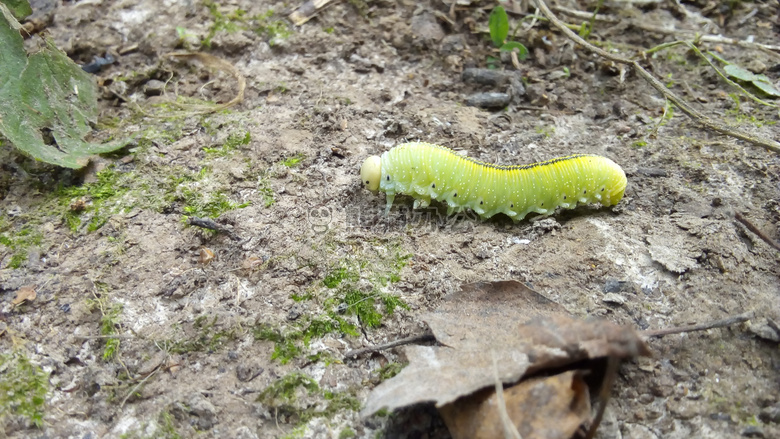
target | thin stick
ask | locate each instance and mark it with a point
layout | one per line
(658, 85)
(98, 337)
(137, 386)
(701, 327)
(408, 340)
(719, 39)
(756, 230)
(613, 364)
(510, 431)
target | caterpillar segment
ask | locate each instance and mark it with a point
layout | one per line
(431, 172)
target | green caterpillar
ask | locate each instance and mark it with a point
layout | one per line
(432, 172)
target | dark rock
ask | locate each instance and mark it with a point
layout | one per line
(204, 411)
(153, 87)
(485, 76)
(753, 431)
(613, 285)
(770, 414)
(488, 100)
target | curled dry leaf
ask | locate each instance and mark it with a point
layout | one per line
(252, 263)
(540, 408)
(206, 256)
(525, 331)
(24, 294)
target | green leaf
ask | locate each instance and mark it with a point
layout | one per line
(767, 87)
(499, 26)
(20, 8)
(47, 102)
(522, 52)
(738, 72)
(759, 81)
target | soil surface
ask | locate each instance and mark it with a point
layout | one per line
(243, 333)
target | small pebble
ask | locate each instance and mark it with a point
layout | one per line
(753, 431)
(153, 87)
(615, 299)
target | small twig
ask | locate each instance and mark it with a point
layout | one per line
(658, 85)
(756, 230)
(719, 39)
(99, 337)
(137, 386)
(510, 431)
(702, 327)
(613, 364)
(408, 340)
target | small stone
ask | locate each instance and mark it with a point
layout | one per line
(537, 94)
(614, 299)
(684, 409)
(205, 411)
(245, 432)
(770, 414)
(426, 30)
(613, 285)
(153, 87)
(646, 398)
(756, 66)
(753, 431)
(763, 329)
(245, 372)
(488, 100)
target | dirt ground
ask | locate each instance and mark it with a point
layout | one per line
(243, 334)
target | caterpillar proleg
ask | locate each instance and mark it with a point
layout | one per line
(432, 172)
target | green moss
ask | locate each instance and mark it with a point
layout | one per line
(347, 433)
(335, 277)
(205, 338)
(232, 143)
(265, 191)
(18, 242)
(291, 343)
(390, 370)
(97, 201)
(165, 429)
(283, 390)
(273, 30)
(23, 388)
(338, 298)
(109, 321)
(293, 161)
(282, 395)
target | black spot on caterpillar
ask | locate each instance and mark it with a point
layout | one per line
(432, 172)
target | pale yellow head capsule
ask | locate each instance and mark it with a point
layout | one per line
(371, 173)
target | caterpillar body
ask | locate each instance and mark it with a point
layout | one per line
(432, 172)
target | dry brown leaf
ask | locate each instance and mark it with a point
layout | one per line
(525, 331)
(205, 256)
(24, 294)
(540, 408)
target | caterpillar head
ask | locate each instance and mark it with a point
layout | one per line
(371, 173)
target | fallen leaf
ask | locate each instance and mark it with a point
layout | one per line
(48, 104)
(24, 294)
(206, 256)
(540, 408)
(524, 331)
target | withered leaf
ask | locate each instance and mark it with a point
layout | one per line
(205, 255)
(24, 294)
(522, 329)
(541, 408)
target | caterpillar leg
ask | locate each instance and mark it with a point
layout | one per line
(390, 197)
(421, 203)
